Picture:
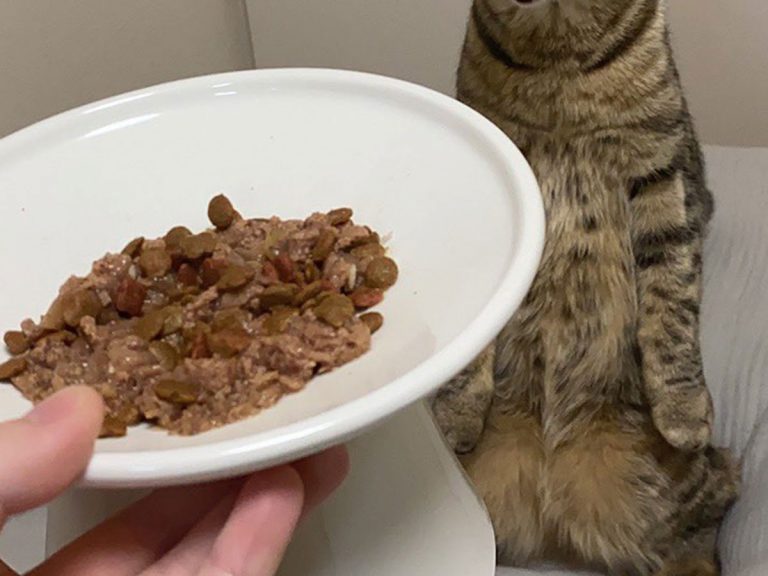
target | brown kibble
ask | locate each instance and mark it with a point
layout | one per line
(155, 262)
(278, 320)
(78, 304)
(372, 238)
(286, 270)
(150, 326)
(16, 342)
(173, 319)
(61, 336)
(221, 213)
(277, 295)
(373, 320)
(308, 292)
(364, 297)
(311, 273)
(211, 270)
(197, 246)
(130, 297)
(54, 317)
(175, 235)
(187, 275)
(382, 273)
(324, 245)
(269, 272)
(12, 368)
(340, 216)
(229, 341)
(229, 318)
(113, 427)
(235, 277)
(370, 250)
(166, 355)
(133, 247)
(335, 310)
(178, 392)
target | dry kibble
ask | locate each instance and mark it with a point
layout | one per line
(211, 270)
(187, 275)
(221, 213)
(340, 216)
(364, 297)
(286, 270)
(235, 277)
(197, 246)
(155, 262)
(308, 292)
(381, 273)
(173, 319)
(177, 392)
(175, 235)
(229, 341)
(277, 295)
(370, 250)
(133, 247)
(324, 245)
(78, 304)
(130, 297)
(166, 355)
(16, 342)
(278, 319)
(230, 318)
(373, 320)
(12, 368)
(372, 238)
(113, 427)
(149, 326)
(335, 310)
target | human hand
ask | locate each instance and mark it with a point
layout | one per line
(231, 528)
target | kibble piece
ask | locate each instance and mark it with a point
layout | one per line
(370, 250)
(133, 247)
(340, 216)
(230, 318)
(381, 273)
(277, 295)
(278, 319)
(308, 292)
(221, 213)
(373, 320)
(335, 309)
(173, 319)
(365, 297)
(166, 355)
(178, 392)
(211, 270)
(229, 341)
(113, 427)
(149, 326)
(78, 304)
(12, 368)
(286, 270)
(235, 277)
(197, 246)
(130, 297)
(16, 342)
(155, 262)
(175, 235)
(187, 275)
(324, 245)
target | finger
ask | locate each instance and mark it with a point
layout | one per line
(188, 555)
(322, 474)
(44, 452)
(134, 539)
(253, 541)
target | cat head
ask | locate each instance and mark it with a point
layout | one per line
(538, 32)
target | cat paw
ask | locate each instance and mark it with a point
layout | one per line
(461, 431)
(685, 419)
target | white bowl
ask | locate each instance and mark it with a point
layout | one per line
(460, 202)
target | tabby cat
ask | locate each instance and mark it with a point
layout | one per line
(586, 426)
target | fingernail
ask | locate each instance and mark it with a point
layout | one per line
(54, 408)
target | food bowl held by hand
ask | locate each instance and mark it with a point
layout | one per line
(456, 199)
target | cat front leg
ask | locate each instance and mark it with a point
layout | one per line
(461, 406)
(669, 212)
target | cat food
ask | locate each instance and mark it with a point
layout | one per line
(194, 331)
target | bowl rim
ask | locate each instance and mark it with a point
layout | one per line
(233, 457)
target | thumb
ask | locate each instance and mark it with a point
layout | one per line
(44, 452)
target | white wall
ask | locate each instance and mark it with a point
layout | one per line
(722, 47)
(56, 54)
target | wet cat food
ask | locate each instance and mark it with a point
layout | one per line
(193, 331)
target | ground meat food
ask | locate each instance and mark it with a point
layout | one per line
(194, 331)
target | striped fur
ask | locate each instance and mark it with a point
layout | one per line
(586, 428)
